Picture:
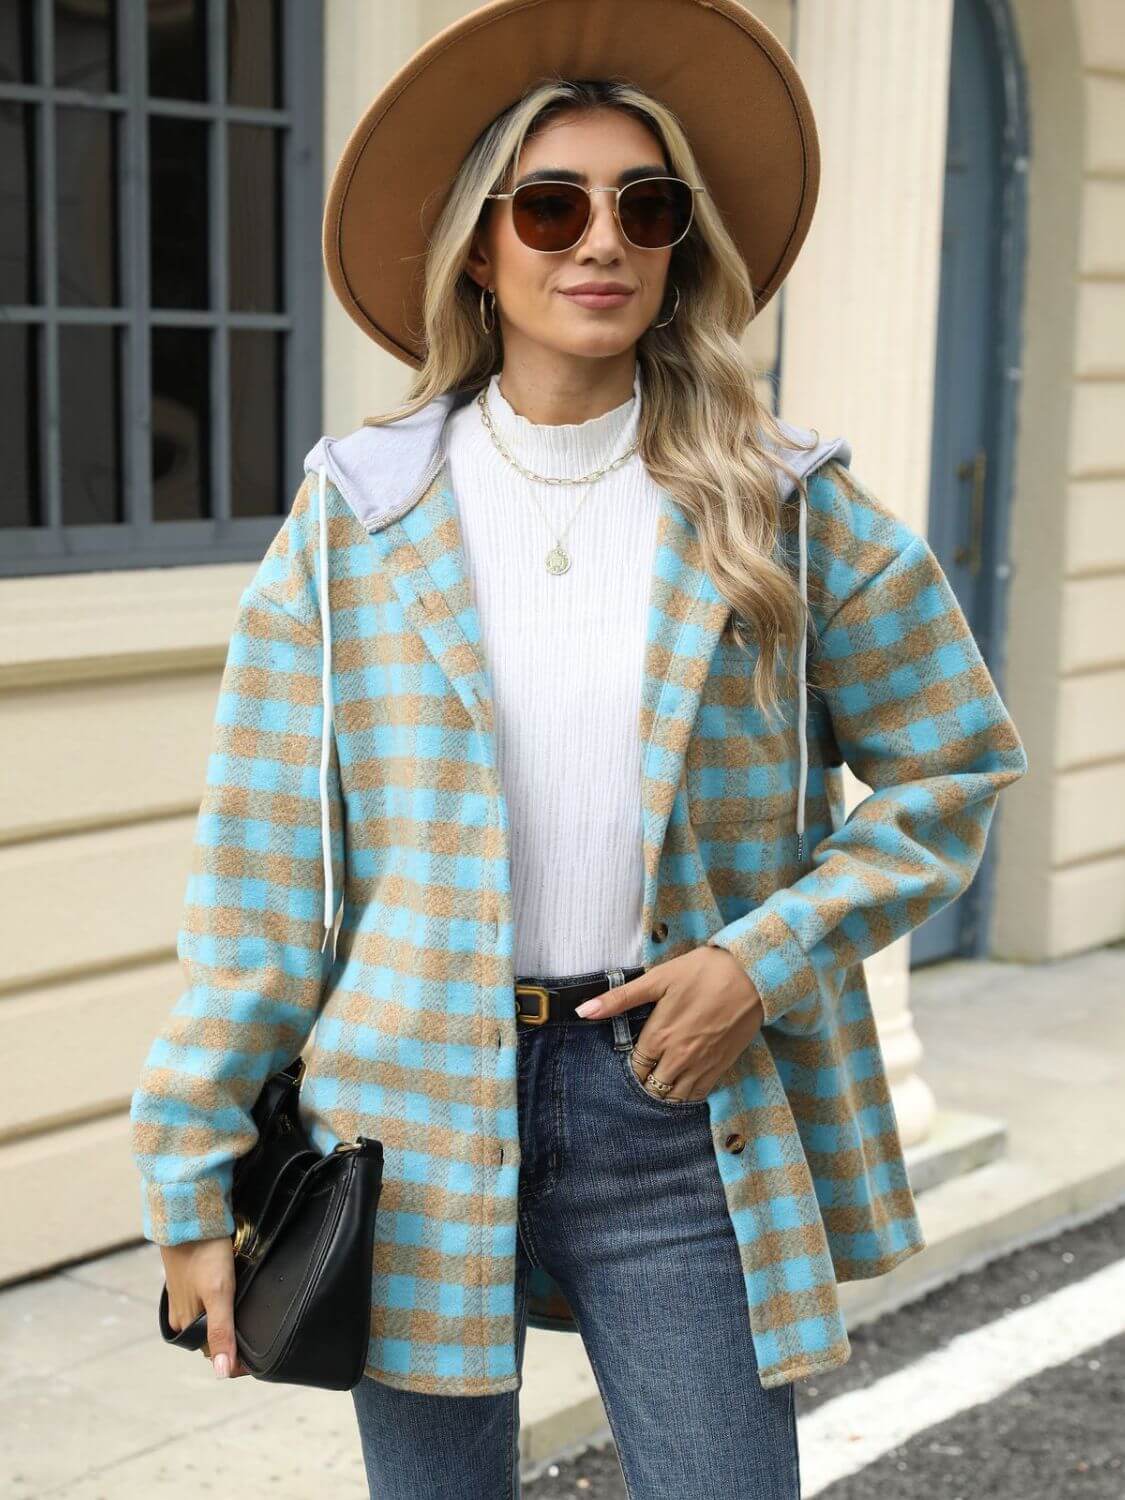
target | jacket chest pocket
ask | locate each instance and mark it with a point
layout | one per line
(738, 771)
(746, 845)
(741, 767)
(742, 808)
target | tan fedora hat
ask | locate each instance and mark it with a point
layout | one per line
(725, 75)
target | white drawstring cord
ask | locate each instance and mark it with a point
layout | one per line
(802, 531)
(326, 716)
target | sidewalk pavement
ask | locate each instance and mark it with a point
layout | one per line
(1028, 1067)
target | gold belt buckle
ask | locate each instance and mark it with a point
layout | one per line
(544, 1004)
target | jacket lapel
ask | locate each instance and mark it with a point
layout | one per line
(686, 615)
(422, 554)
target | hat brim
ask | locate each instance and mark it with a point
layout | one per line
(733, 86)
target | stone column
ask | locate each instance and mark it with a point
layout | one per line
(860, 318)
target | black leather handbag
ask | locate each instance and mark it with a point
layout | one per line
(303, 1243)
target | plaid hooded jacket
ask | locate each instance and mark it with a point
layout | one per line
(351, 793)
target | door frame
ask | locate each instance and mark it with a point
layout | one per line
(1010, 79)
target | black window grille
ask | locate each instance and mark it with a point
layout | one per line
(160, 277)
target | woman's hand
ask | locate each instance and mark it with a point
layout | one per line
(200, 1275)
(707, 1013)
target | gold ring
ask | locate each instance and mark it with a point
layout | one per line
(657, 1085)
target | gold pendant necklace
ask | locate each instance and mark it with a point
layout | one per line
(558, 559)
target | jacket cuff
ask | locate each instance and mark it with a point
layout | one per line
(176, 1212)
(778, 967)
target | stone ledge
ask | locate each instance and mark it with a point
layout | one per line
(132, 621)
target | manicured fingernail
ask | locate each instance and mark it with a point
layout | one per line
(589, 1008)
(222, 1364)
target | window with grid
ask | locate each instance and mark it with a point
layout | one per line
(160, 276)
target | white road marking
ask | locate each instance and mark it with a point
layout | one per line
(846, 1434)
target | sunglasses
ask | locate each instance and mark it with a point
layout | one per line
(652, 212)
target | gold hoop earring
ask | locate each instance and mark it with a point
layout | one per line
(675, 310)
(488, 327)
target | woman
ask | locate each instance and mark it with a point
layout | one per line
(522, 679)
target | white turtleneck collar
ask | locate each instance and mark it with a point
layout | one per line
(565, 448)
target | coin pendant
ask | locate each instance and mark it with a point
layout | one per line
(557, 560)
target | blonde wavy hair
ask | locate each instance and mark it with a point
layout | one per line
(703, 431)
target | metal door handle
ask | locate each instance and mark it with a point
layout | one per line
(975, 469)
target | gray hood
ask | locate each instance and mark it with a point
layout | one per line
(382, 471)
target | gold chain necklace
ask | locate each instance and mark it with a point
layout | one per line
(558, 559)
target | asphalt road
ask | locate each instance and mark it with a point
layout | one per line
(1042, 1398)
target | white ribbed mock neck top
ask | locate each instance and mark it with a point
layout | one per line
(565, 657)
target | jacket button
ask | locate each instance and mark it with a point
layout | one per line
(660, 932)
(735, 1141)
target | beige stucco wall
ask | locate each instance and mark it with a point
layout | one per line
(1064, 826)
(108, 681)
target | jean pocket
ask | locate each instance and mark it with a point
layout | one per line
(670, 1106)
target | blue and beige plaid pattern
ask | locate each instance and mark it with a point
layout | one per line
(415, 1035)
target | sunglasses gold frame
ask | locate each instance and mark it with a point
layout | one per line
(616, 191)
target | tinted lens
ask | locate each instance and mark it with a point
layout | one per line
(550, 215)
(656, 211)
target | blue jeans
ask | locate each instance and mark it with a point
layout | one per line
(620, 1199)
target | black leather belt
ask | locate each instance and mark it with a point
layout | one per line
(539, 1001)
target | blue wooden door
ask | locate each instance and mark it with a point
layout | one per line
(972, 402)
